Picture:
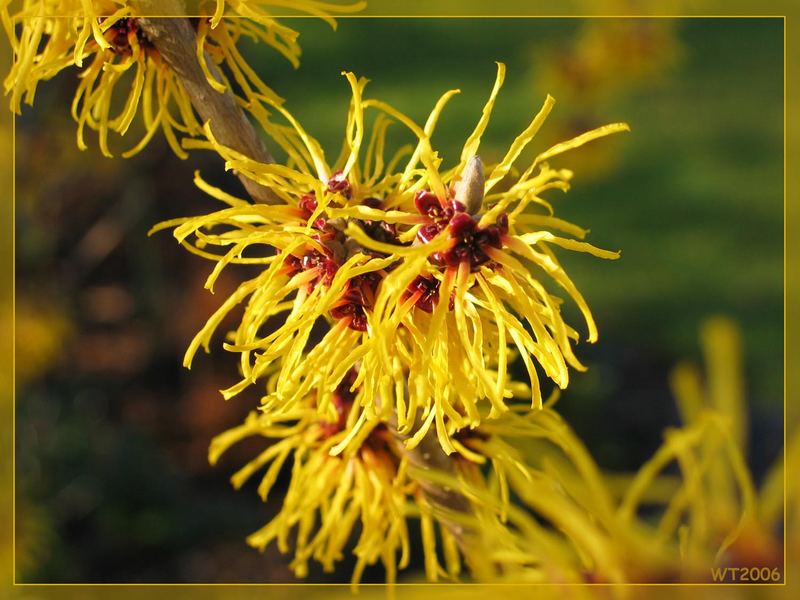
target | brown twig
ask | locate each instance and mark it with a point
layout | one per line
(174, 38)
(429, 456)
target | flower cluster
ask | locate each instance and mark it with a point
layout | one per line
(329, 497)
(392, 299)
(533, 505)
(424, 275)
(105, 40)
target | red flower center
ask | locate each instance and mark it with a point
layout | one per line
(470, 242)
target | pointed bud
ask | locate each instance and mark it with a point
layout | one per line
(469, 189)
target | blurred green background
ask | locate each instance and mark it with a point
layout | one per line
(112, 479)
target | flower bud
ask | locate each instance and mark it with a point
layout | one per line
(469, 189)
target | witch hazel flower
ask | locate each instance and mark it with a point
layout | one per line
(105, 40)
(371, 247)
(363, 497)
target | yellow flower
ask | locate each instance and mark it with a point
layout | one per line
(104, 38)
(370, 247)
(365, 490)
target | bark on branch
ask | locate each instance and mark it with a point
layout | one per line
(428, 455)
(174, 38)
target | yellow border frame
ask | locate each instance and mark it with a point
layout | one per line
(788, 10)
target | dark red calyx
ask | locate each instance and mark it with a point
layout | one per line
(428, 204)
(343, 399)
(462, 225)
(308, 204)
(338, 184)
(428, 290)
(312, 259)
(427, 232)
(467, 437)
(457, 207)
(118, 35)
(292, 264)
(471, 242)
(357, 299)
(354, 312)
(378, 230)
(502, 223)
(372, 202)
